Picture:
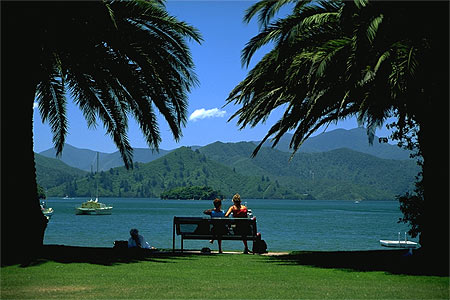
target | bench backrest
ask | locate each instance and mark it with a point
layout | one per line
(225, 227)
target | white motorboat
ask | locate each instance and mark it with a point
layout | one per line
(405, 244)
(93, 207)
(399, 244)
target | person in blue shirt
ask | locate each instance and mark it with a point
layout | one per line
(137, 241)
(218, 230)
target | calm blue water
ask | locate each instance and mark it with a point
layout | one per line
(285, 224)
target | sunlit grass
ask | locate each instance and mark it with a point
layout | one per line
(213, 277)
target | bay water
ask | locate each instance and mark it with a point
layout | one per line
(285, 225)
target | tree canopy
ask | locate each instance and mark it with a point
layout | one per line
(337, 59)
(192, 192)
(117, 59)
(332, 60)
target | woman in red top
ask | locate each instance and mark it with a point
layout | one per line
(239, 211)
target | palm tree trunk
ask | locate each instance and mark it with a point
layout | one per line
(434, 144)
(22, 222)
(434, 237)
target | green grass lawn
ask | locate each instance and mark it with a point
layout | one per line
(230, 276)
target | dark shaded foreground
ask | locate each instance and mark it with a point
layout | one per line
(94, 255)
(391, 261)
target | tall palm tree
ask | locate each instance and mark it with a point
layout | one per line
(332, 60)
(116, 58)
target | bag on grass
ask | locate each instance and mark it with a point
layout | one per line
(120, 244)
(259, 246)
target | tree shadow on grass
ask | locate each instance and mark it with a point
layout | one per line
(390, 261)
(101, 256)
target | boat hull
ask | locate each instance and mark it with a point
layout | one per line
(399, 244)
(94, 211)
(47, 212)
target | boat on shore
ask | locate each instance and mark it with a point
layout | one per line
(405, 244)
(93, 207)
(47, 211)
(399, 244)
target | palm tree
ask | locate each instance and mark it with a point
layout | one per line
(116, 58)
(333, 60)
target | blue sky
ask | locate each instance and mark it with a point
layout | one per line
(219, 70)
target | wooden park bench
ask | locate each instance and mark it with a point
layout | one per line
(199, 228)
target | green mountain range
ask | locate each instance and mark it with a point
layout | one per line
(228, 168)
(354, 139)
(181, 167)
(85, 159)
(52, 172)
(336, 174)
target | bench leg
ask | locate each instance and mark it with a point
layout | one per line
(173, 238)
(181, 244)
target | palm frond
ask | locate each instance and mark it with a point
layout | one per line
(383, 57)
(52, 102)
(361, 3)
(120, 58)
(372, 29)
(326, 53)
(270, 34)
(111, 13)
(412, 62)
(331, 60)
(320, 19)
(267, 9)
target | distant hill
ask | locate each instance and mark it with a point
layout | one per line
(354, 139)
(228, 168)
(74, 157)
(52, 172)
(339, 164)
(181, 167)
(85, 159)
(337, 174)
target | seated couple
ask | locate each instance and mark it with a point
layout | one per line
(237, 209)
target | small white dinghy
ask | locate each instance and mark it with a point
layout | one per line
(405, 244)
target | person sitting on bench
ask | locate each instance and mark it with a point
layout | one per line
(218, 229)
(239, 211)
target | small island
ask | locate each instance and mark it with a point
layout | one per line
(192, 193)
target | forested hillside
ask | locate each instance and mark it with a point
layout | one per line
(354, 139)
(52, 172)
(181, 167)
(337, 174)
(228, 168)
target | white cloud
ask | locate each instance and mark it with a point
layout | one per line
(210, 113)
(35, 105)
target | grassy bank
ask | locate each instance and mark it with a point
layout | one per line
(97, 274)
